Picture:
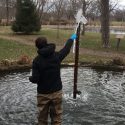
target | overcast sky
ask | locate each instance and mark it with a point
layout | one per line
(122, 2)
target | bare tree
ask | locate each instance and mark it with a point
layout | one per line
(40, 4)
(113, 5)
(59, 5)
(43, 7)
(106, 7)
(94, 11)
(105, 22)
(75, 5)
(119, 15)
(85, 6)
(7, 9)
(68, 10)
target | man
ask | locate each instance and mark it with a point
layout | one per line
(46, 73)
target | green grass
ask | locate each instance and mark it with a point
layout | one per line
(86, 58)
(51, 35)
(90, 40)
(93, 41)
(13, 50)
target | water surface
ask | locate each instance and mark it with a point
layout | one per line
(102, 101)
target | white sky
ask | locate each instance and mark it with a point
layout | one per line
(122, 2)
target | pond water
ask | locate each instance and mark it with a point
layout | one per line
(102, 101)
(114, 31)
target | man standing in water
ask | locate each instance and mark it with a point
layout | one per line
(46, 73)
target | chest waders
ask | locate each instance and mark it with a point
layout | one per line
(52, 111)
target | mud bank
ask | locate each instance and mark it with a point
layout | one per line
(24, 67)
(15, 68)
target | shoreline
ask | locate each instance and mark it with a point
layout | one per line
(27, 67)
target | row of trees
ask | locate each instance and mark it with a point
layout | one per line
(62, 9)
(30, 14)
(7, 9)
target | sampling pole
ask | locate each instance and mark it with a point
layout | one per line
(80, 19)
(75, 91)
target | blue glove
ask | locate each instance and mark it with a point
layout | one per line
(73, 37)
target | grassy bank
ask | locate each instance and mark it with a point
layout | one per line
(12, 46)
(13, 50)
(93, 41)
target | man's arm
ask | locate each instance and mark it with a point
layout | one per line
(35, 73)
(66, 49)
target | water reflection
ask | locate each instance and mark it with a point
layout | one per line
(102, 101)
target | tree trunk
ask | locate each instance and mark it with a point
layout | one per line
(84, 11)
(105, 23)
(7, 12)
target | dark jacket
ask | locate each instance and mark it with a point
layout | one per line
(46, 68)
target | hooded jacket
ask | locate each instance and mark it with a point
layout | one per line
(46, 68)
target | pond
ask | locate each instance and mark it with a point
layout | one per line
(102, 101)
(115, 31)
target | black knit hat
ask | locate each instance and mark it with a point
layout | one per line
(41, 42)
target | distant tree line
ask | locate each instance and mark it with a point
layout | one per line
(61, 12)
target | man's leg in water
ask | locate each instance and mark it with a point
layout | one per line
(57, 100)
(43, 108)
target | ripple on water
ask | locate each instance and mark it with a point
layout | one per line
(102, 101)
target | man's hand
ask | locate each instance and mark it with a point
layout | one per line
(73, 37)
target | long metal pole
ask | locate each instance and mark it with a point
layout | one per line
(76, 62)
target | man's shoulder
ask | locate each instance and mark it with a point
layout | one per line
(36, 59)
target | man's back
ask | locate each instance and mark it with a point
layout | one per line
(46, 68)
(49, 70)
